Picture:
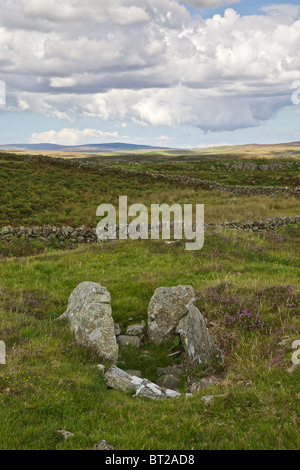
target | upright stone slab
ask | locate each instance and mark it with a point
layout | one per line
(2, 353)
(167, 307)
(194, 334)
(89, 313)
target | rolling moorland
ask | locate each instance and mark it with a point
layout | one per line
(247, 287)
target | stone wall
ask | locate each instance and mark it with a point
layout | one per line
(181, 179)
(88, 235)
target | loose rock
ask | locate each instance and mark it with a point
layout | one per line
(134, 341)
(150, 390)
(119, 379)
(66, 434)
(168, 381)
(136, 330)
(103, 445)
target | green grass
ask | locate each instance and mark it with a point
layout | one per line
(217, 171)
(49, 383)
(43, 194)
(55, 384)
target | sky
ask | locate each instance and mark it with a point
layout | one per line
(167, 73)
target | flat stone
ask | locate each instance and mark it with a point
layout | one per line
(168, 381)
(136, 330)
(134, 341)
(120, 380)
(154, 392)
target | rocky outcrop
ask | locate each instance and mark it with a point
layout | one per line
(90, 316)
(167, 307)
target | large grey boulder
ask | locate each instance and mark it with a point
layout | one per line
(90, 316)
(167, 307)
(194, 334)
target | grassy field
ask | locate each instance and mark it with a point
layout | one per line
(217, 171)
(247, 285)
(46, 194)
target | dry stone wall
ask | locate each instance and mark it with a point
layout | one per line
(83, 235)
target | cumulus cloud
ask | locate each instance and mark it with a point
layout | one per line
(69, 136)
(148, 62)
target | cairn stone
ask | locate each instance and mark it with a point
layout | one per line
(90, 316)
(167, 307)
(194, 334)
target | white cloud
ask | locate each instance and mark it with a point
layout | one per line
(148, 62)
(282, 9)
(122, 12)
(70, 136)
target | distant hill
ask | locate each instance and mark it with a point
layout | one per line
(116, 146)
